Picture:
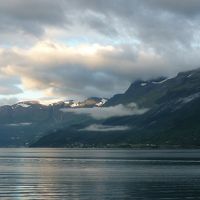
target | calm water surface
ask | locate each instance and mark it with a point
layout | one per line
(99, 174)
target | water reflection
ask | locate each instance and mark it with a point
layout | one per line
(99, 174)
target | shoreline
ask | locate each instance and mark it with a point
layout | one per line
(173, 147)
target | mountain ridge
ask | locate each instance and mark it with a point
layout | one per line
(152, 112)
(172, 118)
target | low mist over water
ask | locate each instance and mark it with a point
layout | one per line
(99, 174)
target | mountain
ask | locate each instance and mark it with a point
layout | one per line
(159, 112)
(27, 121)
(151, 92)
(88, 103)
(141, 92)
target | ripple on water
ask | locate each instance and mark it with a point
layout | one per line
(99, 174)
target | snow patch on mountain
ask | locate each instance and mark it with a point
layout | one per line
(23, 105)
(75, 104)
(101, 103)
(189, 75)
(143, 84)
(160, 82)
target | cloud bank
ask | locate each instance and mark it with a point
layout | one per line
(103, 128)
(108, 112)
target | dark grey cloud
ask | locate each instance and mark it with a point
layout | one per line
(34, 15)
(154, 23)
(99, 22)
(188, 8)
(65, 75)
(137, 39)
(62, 70)
(74, 80)
(31, 16)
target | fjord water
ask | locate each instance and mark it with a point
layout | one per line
(98, 174)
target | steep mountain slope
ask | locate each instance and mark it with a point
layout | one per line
(25, 122)
(149, 93)
(172, 119)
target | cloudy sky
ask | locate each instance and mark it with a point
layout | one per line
(75, 49)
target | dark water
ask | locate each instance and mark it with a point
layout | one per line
(99, 174)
